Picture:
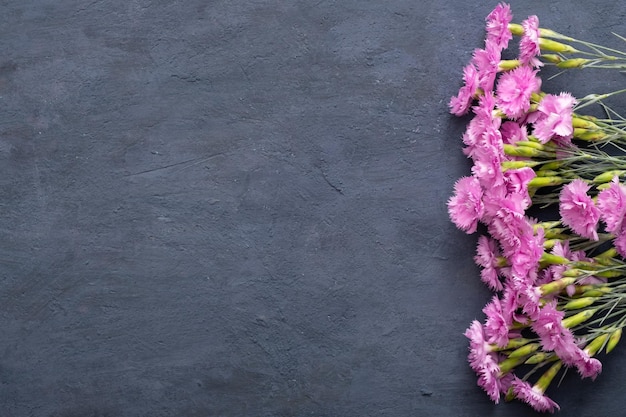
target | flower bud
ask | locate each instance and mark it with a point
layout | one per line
(579, 303)
(578, 318)
(506, 165)
(583, 122)
(544, 381)
(525, 350)
(552, 58)
(573, 63)
(508, 64)
(613, 340)
(538, 358)
(607, 176)
(508, 364)
(596, 344)
(539, 182)
(556, 286)
(513, 150)
(554, 46)
(588, 135)
(516, 29)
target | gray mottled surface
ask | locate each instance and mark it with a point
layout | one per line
(229, 208)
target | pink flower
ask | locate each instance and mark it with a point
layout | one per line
(529, 44)
(517, 180)
(498, 25)
(578, 211)
(620, 243)
(548, 326)
(497, 324)
(587, 366)
(486, 256)
(460, 104)
(529, 298)
(514, 90)
(484, 362)
(465, 206)
(555, 118)
(533, 396)
(487, 159)
(487, 61)
(612, 205)
(513, 132)
(482, 131)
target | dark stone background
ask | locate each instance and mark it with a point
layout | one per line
(237, 208)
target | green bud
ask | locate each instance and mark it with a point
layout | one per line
(574, 273)
(579, 303)
(598, 292)
(583, 122)
(508, 64)
(506, 165)
(608, 176)
(538, 358)
(588, 135)
(573, 63)
(552, 58)
(613, 340)
(508, 364)
(513, 150)
(554, 46)
(539, 182)
(578, 318)
(552, 165)
(551, 259)
(610, 253)
(556, 286)
(596, 344)
(525, 350)
(544, 381)
(516, 343)
(516, 29)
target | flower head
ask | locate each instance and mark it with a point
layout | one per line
(612, 205)
(514, 90)
(555, 118)
(465, 206)
(484, 361)
(498, 25)
(460, 104)
(578, 211)
(487, 61)
(486, 256)
(533, 396)
(529, 44)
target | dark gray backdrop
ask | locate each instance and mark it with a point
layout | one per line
(237, 208)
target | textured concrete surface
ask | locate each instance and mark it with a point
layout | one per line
(237, 208)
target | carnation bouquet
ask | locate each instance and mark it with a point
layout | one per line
(545, 195)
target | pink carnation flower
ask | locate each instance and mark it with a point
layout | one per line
(465, 206)
(529, 44)
(578, 211)
(484, 362)
(533, 396)
(487, 61)
(514, 90)
(620, 243)
(612, 205)
(460, 104)
(498, 25)
(487, 257)
(517, 180)
(555, 118)
(513, 132)
(497, 324)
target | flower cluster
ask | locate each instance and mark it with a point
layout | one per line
(558, 281)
